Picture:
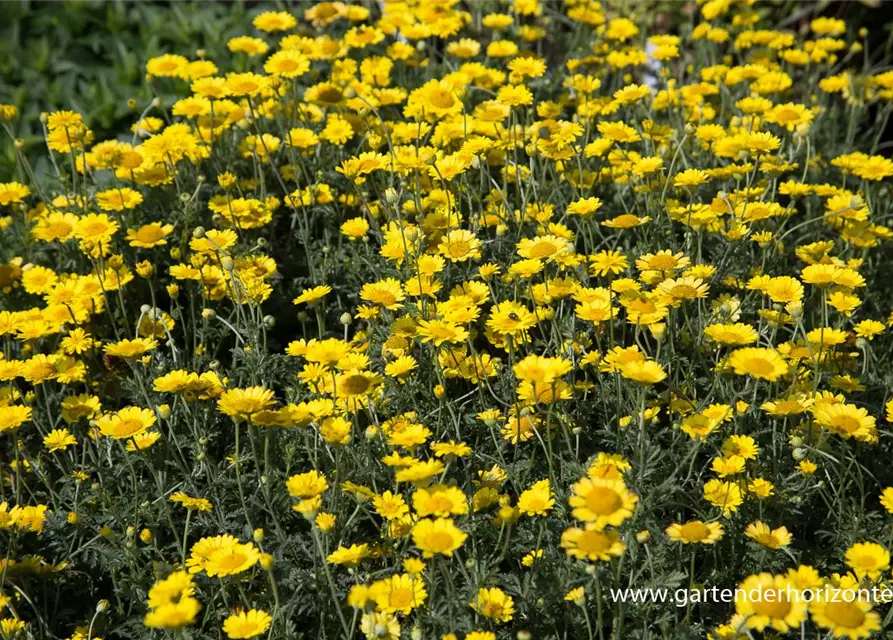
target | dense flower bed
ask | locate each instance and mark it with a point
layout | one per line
(442, 320)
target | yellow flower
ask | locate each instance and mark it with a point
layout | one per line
(460, 245)
(312, 295)
(390, 506)
(13, 192)
(171, 602)
(350, 556)
(846, 420)
(510, 319)
(495, 604)
(240, 404)
(577, 596)
(764, 601)
(592, 543)
(691, 178)
(59, 440)
(643, 372)
(399, 593)
(222, 555)
(602, 501)
(887, 499)
(437, 537)
(325, 521)
(197, 504)
(380, 625)
(13, 416)
(120, 199)
(695, 531)
(770, 538)
(247, 624)
(307, 485)
(847, 616)
(126, 423)
(271, 21)
(725, 495)
(731, 334)
(386, 293)
(130, 348)
(867, 559)
(355, 228)
(149, 235)
(765, 364)
(537, 500)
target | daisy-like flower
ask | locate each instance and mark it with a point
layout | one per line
(247, 624)
(847, 616)
(495, 604)
(769, 538)
(120, 199)
(764, 601)
(313, 295)
(222, 556)
(126, 423)
(437, 537)
(696, 532)
(59, 440)
(240, 404)
(602, 501)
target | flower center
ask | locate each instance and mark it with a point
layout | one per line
(845, 614)
(603, 501)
